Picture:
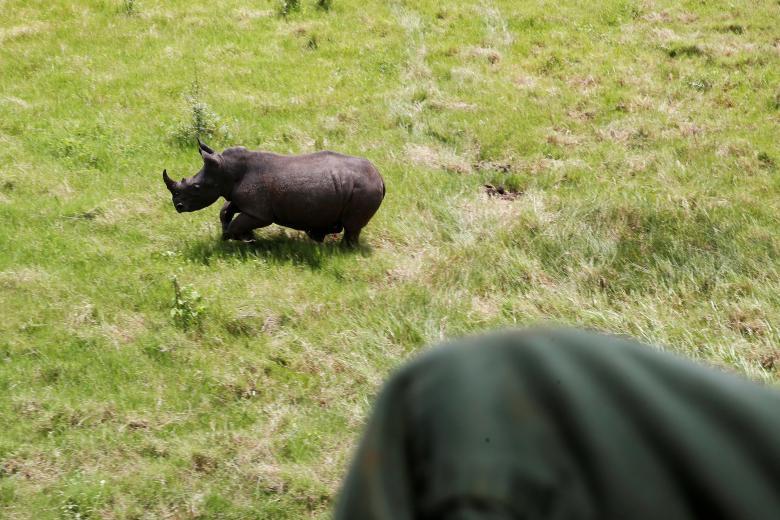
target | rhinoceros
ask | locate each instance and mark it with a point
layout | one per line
(320, 193)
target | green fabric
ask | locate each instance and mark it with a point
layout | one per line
(565, 424)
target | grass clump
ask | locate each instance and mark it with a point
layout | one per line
(187, 310)
(679, 51)
(130, 7)
(286, 7)
(766, 160)
(700, 84)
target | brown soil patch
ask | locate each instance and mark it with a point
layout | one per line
(770, 361)
(501, 192)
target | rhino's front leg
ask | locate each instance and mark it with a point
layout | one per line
(226, 214)
(241, 228)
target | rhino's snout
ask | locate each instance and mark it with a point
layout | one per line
(179, 207)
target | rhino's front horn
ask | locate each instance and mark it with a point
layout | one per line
(168, 181)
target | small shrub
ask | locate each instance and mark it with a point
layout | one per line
(83, 505)
(733, 28)
(202, 122)
(130, 7)
(187, 310)
(685, 50)
(552, 64)
(324, 5)
(766, 160)
(78, 150)
(288, 6)
(700, 84)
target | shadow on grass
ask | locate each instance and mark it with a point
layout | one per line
(278, 248)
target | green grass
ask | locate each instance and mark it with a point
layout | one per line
(642, 136)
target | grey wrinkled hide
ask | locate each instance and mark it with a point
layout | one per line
(319, 193)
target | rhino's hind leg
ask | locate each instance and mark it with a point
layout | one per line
(357, 215)
(317, 235)
(241, 227)
(351, 237)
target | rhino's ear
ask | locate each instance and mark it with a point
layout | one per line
(211, 159)
(203, 147)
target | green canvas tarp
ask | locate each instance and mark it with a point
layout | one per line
(565, 424)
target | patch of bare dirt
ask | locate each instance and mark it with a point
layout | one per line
(137, 424)
(501, 192)
(37, 469)
(203, 463)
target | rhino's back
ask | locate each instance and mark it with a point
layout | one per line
(313, 190)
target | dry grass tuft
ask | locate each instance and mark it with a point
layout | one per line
(585, 84)
(658, 17)
(563, 137)
(438, 157)
(525, 81)
(245, 13)
(15, 101)
(749, 322)
(489, 54)
(445, 104)
(582, 115)
(22, 31)
(621, 131)
(23, 277)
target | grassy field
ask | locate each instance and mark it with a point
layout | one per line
(638, 141)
